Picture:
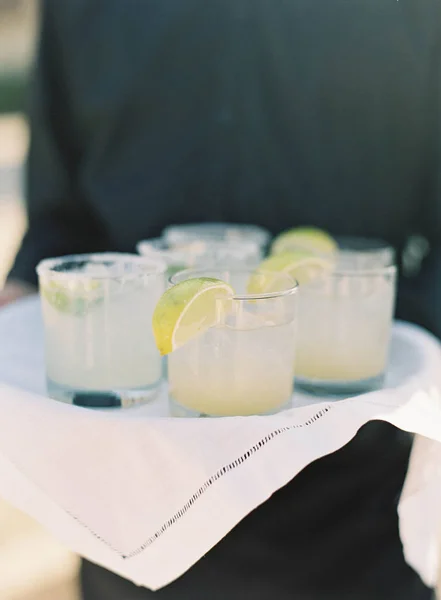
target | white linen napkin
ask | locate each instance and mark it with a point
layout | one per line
(147, 496)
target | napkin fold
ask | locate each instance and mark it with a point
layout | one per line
(147, 496)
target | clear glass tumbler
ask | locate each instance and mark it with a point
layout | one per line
(243, 365)
(199, 253)
(364, 253)
(97, 313)
(345, 319)
(182, 235)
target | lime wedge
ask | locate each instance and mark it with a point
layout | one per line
(305, 238)
(186, 310)
(301, 265)
(73, 297)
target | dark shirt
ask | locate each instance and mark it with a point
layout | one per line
(276, 112)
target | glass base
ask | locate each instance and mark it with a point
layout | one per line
(339, 389)
(177, 410)
(110, 399)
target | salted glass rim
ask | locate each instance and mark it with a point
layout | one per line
(47, 266)
(155, 243)
(159, 247)
(169, 232)
(341, 271)
(292, 289)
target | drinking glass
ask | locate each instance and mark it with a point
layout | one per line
(97, 313)
(364, 253)
(182, 235)
(243, 365)
(345, 319)
(209, 253)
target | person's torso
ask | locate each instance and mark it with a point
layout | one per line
(280, 113)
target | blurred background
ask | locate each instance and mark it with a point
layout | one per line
(33, 565)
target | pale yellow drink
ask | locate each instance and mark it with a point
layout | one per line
(230, 347)
(231, 371)
(97, 312)
(345, 320)
(346, 302)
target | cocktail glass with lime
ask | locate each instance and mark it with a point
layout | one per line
(351, 251)
(346, 305)
(230, 348)
(97, 312)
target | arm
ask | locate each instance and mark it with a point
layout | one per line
(14, 290)
(59, 221)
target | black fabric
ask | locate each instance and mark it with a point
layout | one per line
(294, 547)
(277, 112)
(98, 583)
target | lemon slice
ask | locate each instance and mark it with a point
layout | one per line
(301, 265)
(186, 310)
(306, 238)
(73, 297)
